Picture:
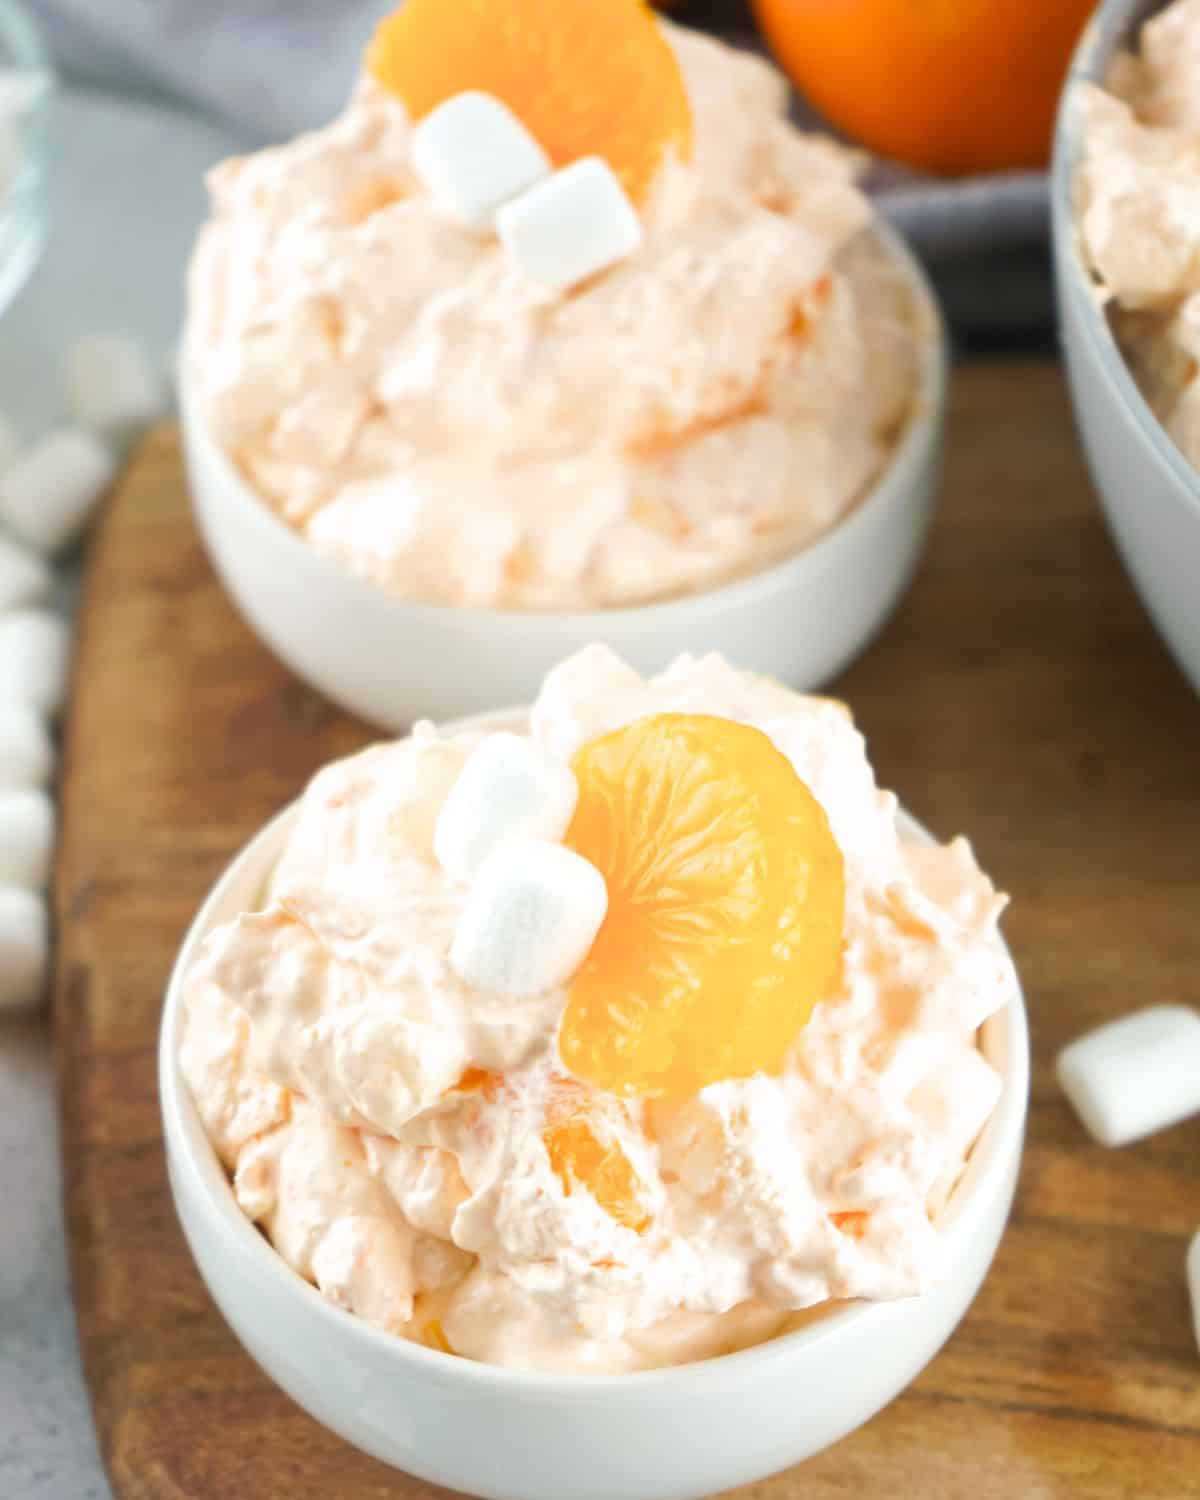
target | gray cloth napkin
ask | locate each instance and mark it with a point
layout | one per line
(269, 67)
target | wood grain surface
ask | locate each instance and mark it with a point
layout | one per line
(1019, 695)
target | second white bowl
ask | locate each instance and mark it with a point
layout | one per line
(670, 1434)
(392, 661)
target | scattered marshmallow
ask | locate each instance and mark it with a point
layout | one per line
(49, 492)
(508, 789)
(26, 754)
(24, 948)
(531, 915)
(24, 578)
(473, 155)
(35, 656)
(1136, 1075)
(10, 443)
(1193, 1275)
(111, 386)
(572, 225)
(26, 839)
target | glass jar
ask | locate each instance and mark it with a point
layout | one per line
(26, 100)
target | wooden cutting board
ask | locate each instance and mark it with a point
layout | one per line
(1018, 694)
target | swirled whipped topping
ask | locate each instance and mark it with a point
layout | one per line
(1137, 200)
(336, 1057)
(395, 390)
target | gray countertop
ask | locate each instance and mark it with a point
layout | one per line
(129, 175)
(47, 1448)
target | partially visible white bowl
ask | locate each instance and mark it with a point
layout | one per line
(392, 661)
(24, 152)
(671, 1434)
(1149, 491)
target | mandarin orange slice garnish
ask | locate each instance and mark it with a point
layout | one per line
(726, 895)
(578, 1157)
(586, 77)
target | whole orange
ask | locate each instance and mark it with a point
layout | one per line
(953, 86)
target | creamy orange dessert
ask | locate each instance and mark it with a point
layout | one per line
(622, 1037)
(1137, 200)
(424, 401)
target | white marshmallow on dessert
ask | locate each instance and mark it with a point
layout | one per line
(24, 948)
(508, 789)
(1193, 1276)
(112, 389)
(26, 839)
(573, 225)
(1135, 1076)
(24, 578)
(26, 753)
(531, 916)
(35, 656)
(473, 155)
(10, 442)
(47, 495)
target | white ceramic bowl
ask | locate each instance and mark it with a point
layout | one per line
(672, 1434)
(392, 661)
(1150, 493)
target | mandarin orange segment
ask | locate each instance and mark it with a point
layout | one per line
(853, 1223)
(578, 1157)
(587, 77)
(434, 1335)
(478, 1080)
(726, 895)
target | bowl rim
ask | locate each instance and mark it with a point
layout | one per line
(894, 481)
(22, 214)
(1109, 28)
(190, 1153)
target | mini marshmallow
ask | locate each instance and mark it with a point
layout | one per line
(1136, 1075)
(572, 225)
(531, 915)
(24, 578)
(26, 839)
(35, 655)
(10, 443)
(49, 492)
(473, 155)
(24, 948)
(26, 754)
(507, 789)
(1193, 1276)
(111, 387)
